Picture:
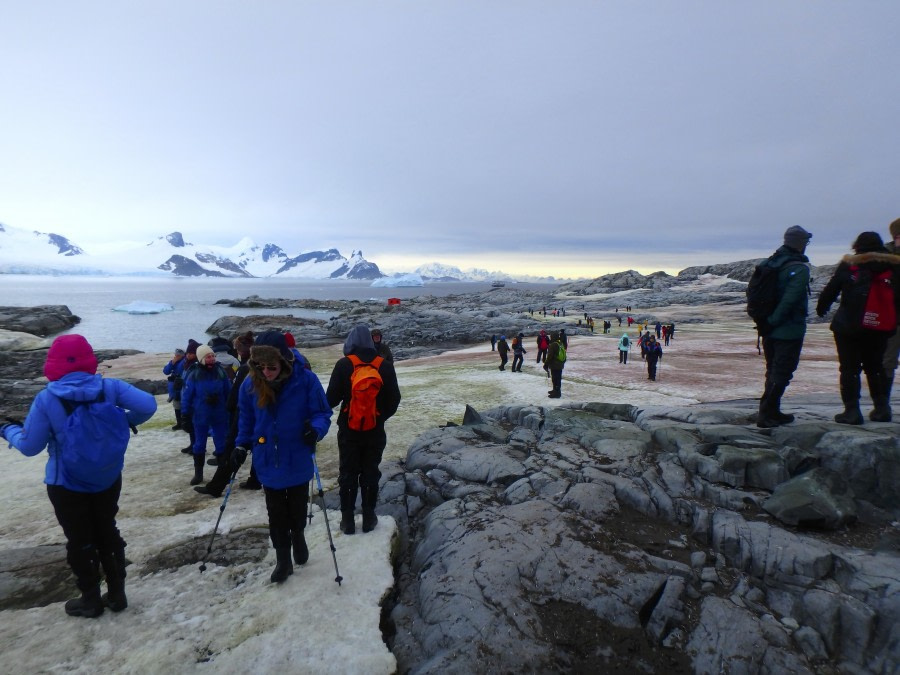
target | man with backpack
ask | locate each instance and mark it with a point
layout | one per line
(556, 361)
(365, 386)
(624, 347)
(84, 421)
(784, 328)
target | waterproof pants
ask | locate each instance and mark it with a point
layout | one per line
(359, 456)
(287, 508)
(88, 520)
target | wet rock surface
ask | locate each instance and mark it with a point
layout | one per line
(41, 320)
(612, 537)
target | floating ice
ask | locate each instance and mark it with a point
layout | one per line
(144, 307)
(401, 280)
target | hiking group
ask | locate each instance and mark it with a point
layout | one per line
(266, 404)
(864, 325)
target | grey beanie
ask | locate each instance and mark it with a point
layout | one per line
(796, 237)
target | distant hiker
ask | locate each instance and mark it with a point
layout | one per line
(620, 320)
(665, 333)
(190, 361)
(503, 350)
(173, 372)
(672, 329)
(493, 343)
(543, 342)
(518, 355)
(563, 338)
(206, 388)
(654, 354)
(869, 285)
(85, 495)
(556, 361)
(658, 330)
(892, 350)
(783, 339)
(283, 413)
(224, 469)
(643, 343)
(361, 436)
(380, 347)
(630, 321)
(624, 346)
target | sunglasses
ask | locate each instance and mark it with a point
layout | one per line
(267, 367)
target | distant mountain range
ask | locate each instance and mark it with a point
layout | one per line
(31, 252)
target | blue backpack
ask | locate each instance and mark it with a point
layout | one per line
(92, 448)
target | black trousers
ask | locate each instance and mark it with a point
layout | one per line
(859, 352)
(88, 519)
(359, 456)
(556, 379)
(287, 508)
(782, 358)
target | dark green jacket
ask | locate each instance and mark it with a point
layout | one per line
(789, 317)
(553, 353)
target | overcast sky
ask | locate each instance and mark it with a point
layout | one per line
(566, 138)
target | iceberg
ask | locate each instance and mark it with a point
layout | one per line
(144, 307)
(400, 280)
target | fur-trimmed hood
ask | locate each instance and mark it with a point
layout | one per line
(871, 257)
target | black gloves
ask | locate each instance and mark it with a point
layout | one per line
(238, 457)
(311, 436)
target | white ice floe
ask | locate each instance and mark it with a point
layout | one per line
(144, 307)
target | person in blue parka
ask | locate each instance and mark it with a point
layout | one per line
(86, 512)
(206, 388)
(282, 414)
(173, 370)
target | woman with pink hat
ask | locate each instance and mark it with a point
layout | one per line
(84, 497)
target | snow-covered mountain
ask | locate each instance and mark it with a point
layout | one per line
(25, 252)
(436, 271)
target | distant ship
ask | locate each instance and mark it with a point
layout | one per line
(498, 284)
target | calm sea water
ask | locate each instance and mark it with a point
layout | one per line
(193, 299)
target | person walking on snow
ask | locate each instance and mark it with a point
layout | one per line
(518, 355)
(624, 346)
(543, 342)
(282, 414)
(654, 354)
(503, 350)
(360, 450)
(86, 513)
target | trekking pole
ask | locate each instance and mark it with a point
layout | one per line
(338, 578)
(309, 513)
(216, 528)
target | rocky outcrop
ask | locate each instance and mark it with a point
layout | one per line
(600, 537)
(41, 320)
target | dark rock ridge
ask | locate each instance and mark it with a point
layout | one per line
(610, 538)
(41, 320)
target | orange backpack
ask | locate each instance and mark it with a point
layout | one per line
(365, 383)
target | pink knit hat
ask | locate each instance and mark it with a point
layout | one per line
(69, 354)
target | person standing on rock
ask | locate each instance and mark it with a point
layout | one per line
(190, 361)
(654, 354)
(173, 372)
(381, 347)
(556, 361)
(624, 347)
(282, 414)
(503, 350)
(782, 346)
(859, 336)
(892, 350)
(366, 404)
(84, 504)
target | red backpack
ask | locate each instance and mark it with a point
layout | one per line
(365, 383)
(880, 312)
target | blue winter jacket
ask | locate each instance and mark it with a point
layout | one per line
(205, 394)
(46, 419)
(275, 433)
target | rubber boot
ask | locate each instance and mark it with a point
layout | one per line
(190, 449)
(89, 605)
(298, 543)
(283, 568)
(369, 499)
(348, 508)
(114, 570)
(850, 396)
(881, 396)
(177, 424)
(198, 470)
(769, 415)
(252, 483)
